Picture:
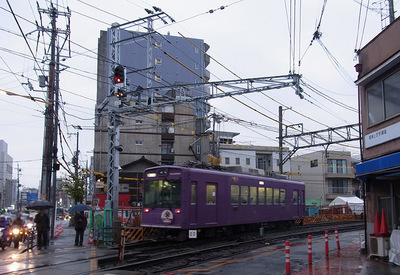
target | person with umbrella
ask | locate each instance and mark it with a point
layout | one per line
(80, 226)
(42, 221)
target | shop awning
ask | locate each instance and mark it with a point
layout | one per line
(389, 164)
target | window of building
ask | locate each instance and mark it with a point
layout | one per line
(234, 194)
(227, 161)
(237, 161)
(269, 195)
(158, 61)
(139, 142)
(167, 147)
(244, 194)
(338, 186)
(211, 191)
(196, 65)
(261, 195)
(283, 196)
(383, 99)
(337, 166)
(139, 121)
(247, 161)
(196, 50)
(253, 195)
(276, 196)
(314, 163)
(295, 198)
(193, 194)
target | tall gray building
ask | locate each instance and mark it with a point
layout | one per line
(165, 135)
(7, 185)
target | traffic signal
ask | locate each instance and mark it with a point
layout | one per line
(119, 75)
(120, 93)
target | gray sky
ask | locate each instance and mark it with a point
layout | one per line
(250, 37)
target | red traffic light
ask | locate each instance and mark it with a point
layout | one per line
(117, 79)
(119, 74)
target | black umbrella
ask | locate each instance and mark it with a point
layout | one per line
(40, 204)
(79, 208)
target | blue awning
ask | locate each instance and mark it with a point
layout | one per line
(378, 165)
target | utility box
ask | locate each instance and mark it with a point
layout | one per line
(377, 246)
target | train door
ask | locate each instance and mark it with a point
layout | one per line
(296, 203)
(211, 203)
(193, 204)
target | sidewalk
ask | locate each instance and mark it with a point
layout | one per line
(61, 257)
(349, 260)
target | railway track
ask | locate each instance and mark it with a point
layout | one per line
(173, 256)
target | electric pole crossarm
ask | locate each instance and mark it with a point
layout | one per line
(269, 83)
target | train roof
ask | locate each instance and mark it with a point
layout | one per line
(219, 172)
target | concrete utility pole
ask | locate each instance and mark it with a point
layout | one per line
(49, 113)
(76, 157)
(50, 164)
(18, 186)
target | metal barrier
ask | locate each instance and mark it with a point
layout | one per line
(137, 233)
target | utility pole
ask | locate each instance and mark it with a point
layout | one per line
(18, 186)
(55, 164)
(49, 112)
(76, 157)
(280, 139)
(50, 164)
(391, 11)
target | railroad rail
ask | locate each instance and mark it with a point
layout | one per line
(172, 257)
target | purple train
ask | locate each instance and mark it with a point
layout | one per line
(180, 198)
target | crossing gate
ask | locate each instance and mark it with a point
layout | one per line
(137, 233)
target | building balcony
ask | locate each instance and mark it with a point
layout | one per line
(339, 175)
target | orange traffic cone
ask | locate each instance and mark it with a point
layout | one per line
(377, 224)
(384, 228)
(91, 237)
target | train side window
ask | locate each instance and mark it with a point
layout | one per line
(276, 196)
(269, 196)
(253, 195)
(193, 194)
(261, 195)
(244, 194)
(295, 197)
(283, 196)
(234, 194)
(302, 197)
(211, 194)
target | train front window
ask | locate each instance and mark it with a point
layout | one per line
(162, 193)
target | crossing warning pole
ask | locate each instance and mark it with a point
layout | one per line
(309, 250)
(287, 254)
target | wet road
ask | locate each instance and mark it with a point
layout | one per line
(61, 257)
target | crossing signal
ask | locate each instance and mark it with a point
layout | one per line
(119, 75)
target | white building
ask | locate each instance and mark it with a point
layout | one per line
(7, 185)
(251, 158)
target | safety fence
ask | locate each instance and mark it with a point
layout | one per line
(331, 218)
(137, 233)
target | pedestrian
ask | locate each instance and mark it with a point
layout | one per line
(80, 226)
(42, 221)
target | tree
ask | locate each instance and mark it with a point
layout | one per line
(75, 186)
